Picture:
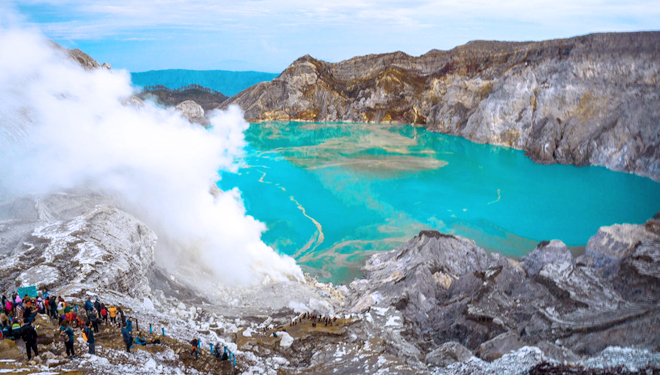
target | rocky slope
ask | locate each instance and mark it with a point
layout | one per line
(588, 100)
(207, 98)
(437, 305)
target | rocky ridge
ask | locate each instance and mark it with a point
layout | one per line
(588, 100)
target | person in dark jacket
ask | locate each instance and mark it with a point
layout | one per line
(128, 338)
(194, 348)
(53, 307)
(122, 316)
(89, 332)
(66, 331)
(30, 337)
(97, 306)
(93, 319)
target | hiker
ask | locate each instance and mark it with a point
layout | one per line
(88, 305)
(89, 332)
(93, 319)
(30, 313)
(47, 306)
(67, 334)
(40, 305)
(29, 335)
(122, 317)
(60, 306)
(194, 351)
(129, 324)
(140, 339)
(128, 338)
(112, 311)
(104, 314)
(97, 306)
(53, 307)
(220, 356)
(9, 307)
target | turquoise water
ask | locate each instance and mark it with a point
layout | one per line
(227, 82)
(333, 194)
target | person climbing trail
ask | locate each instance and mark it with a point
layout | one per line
(93, 319)
(112, 312)
(128, 338)
(89, 333)
(29, 335)
(104, 314)
(67, 334)
(194, 351)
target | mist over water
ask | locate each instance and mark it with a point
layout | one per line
(66, 129)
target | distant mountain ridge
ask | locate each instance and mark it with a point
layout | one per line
(587, 100)
(227, 82)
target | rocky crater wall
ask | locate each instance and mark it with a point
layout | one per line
(588, 100)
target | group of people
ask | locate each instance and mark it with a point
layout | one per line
(18, 315)
(219, 355)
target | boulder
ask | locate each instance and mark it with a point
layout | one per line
(193, 112)
(448, 353)
(546, 252)
(499, 346)
(8, 350)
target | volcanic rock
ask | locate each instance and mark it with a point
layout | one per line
(588, 100)
(448, 353)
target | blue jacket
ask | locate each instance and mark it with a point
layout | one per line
(69, 332)
(126, 335)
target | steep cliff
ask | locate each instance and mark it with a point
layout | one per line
(588, 100)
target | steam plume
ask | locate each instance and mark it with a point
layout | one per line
(64, 128)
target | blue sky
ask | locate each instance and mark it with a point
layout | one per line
(267, 35)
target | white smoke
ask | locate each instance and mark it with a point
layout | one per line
(64, 128)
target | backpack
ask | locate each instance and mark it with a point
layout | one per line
(104, 312)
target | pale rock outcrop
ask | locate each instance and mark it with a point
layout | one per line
(193, 112)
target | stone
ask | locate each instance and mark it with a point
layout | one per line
(448, 353)
(556, 352)
(8, 350)
(546, 252)
(499, 346)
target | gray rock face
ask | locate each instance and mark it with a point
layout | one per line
(449, 290)
(71, 247)
(586, 100)
(497, 347)
(546, 253)
(448, 353)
